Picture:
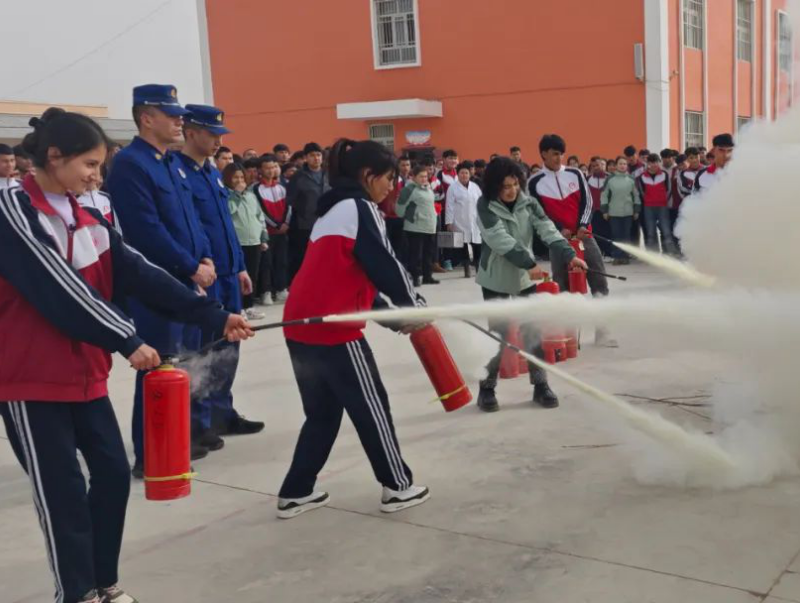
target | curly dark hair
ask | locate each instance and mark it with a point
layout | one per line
(496, 172)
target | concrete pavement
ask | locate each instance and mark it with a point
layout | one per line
(528, 505)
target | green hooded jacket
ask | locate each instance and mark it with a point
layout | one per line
(416, 206)
(620, 197)
(507, 253)
(248, 218)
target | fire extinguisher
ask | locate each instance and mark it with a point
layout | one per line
(577, 245)
(509, 359)
(441, 368)
(167, 434)
(553, 341)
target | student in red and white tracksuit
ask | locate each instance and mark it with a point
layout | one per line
(708, 176)
(63, 271)
(597, 181)
(565, 197)
(348, 264)
(655, 189)
(271, 194)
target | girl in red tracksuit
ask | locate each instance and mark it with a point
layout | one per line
(61, 268)
(349, 261)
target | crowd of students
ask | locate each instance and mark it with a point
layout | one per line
(184, 244)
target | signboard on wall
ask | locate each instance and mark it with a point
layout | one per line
(418, 138)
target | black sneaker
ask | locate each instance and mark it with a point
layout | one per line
(430, 281)
(208, 439)
(198, 452)
(417, 281)
(487, 400)
(292, 507)
(544, 396)
(240, 426)
(137, 471)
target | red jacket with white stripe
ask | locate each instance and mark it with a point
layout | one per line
(57, 318)
(596, 184)
(272, 197)
(655, 189)
(349, 260)
(564, 195)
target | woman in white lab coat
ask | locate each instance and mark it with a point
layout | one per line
(461, 215)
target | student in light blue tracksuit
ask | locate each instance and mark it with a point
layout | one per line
(213, 413)
(153, 199)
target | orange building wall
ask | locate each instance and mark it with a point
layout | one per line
(506, 73)
(721, 53)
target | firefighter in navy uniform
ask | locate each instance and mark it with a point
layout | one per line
(63, 272)
(153, 199)
(348, 264)
(214, 415)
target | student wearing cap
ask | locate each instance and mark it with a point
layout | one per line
(213, 415)
(153, 199)
(305, 189)
(723, 150)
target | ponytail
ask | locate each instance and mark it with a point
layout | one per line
(72, 134)
(355, 159)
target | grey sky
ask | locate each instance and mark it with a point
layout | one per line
(47, 40)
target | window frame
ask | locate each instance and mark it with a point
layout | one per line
(692, 30)
(743, 24)
(376, 50)
(383, 139)
(783, 17)
(690, 138)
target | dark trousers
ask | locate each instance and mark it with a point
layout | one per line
(82, 529)
(531, 341)
(673, 218)
(252, 263)
(212, 399)
(621, 231)
(298, 242)
(334, 379)
(279, 263)
(264, 283)
(601, 226)
(476, 254)
(594, 259)
(395, 232)
(420, 252)
(637, 229)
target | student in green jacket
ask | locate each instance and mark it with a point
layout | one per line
(508, 220)
(416, 206)
(621, 204)
(250, 226)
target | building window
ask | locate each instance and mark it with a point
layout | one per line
(382, 133)
(693, 23)
(694, 129)
(396, 37)
(744, 30)
(741, 122)
(785, 55)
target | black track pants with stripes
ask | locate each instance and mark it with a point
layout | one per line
(333, 379)
(82, 529)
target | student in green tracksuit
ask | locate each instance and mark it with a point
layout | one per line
(621, 205)
(416, 206)
(508, 220)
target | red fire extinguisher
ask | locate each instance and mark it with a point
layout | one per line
(509, 359)
(553, 341)
(167, 468)
(441, 368)
(577, 245)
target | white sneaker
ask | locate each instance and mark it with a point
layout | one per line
(265, 300)
(292, 507)
(253, 314)
(393, 501)
(114, 594)
(281, 296)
